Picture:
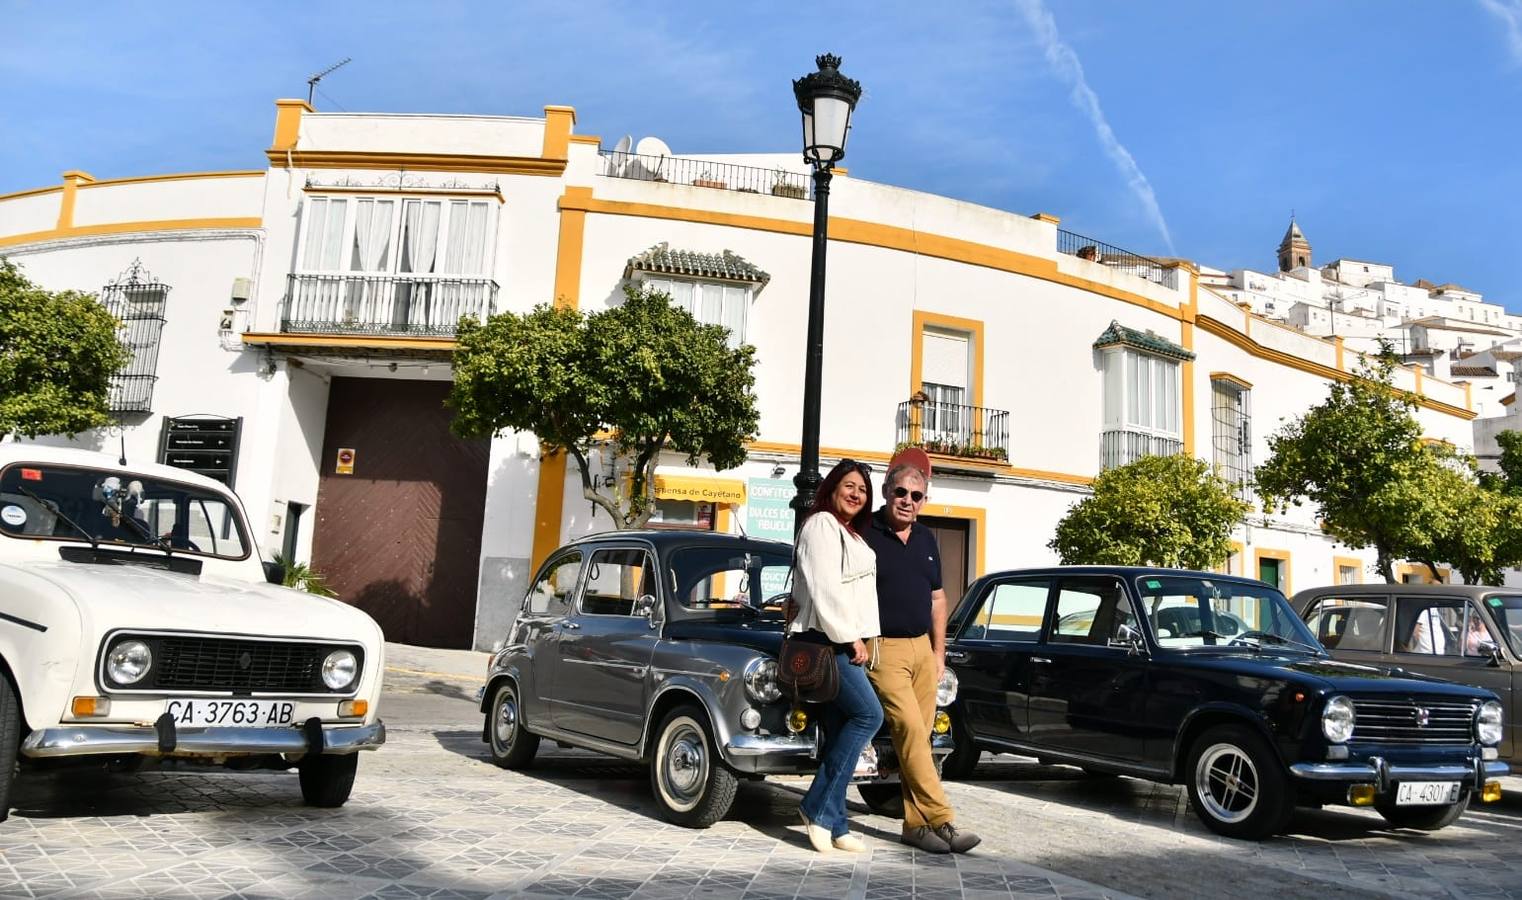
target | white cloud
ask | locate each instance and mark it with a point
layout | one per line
(1065, 63)
(1510, 14)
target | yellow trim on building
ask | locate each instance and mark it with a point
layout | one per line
(58, 234)
(31, 192)
(1047, 218)
(1417, 373)
(1260, 553)
(557, 131)
(72, 179)
(979, 519)
(1468, 396)
(549, 506)
(1341, 562)
(1342, 365)
(1237, 380)
(874, 456)
(432, 162)
(1400, 570)
(592, 139)
(973, 328)
(174, 176)
(723, 518)
(288, 124)
(1241, 554)
(346, 341)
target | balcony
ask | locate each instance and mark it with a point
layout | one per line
(1118, 446)
(400, 304)
(955, 432)
(1153, 270)
(701, 173)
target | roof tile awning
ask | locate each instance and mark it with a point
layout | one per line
(1146, 341)
(725, 266)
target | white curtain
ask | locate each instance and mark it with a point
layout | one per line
(735, 301)
(372, 234)
(465, 252)
(420, 241)
(324, 239)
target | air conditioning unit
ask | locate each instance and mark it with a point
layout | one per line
(243, 288)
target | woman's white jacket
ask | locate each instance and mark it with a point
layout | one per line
(835, 581)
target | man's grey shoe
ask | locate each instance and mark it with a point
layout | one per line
(925, 838)
(959, 841)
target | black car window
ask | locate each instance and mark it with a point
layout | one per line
(1429, 626)
(1507, 611)
(1194, 611)
(736, 577)
(615, 579)
(551, 594)
(1009, 611)
(1091, 610)
(1349, 623)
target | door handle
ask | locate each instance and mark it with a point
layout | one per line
(956, 656)
(1041, 659)
(570, 626)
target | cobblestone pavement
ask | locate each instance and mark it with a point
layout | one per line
(431, 817)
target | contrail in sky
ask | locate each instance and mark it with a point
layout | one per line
(1065, 62)
(1510, 14)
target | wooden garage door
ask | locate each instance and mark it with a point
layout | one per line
(401, 537)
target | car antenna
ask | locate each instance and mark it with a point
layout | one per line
(122, 435)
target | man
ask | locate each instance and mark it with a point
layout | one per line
(911, 655)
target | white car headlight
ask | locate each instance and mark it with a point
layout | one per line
(1337, 720)
(128, 662)
(339, 670)
(946, 689)
(761, 680)
(1487, 723)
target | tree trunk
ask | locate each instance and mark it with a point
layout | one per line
(1437, 576)
(1383, 566)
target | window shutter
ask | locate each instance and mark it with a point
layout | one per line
(944, 358)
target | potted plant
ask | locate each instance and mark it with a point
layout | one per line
(708, 181)
(781, 187)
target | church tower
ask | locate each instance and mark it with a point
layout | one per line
(1294, 250)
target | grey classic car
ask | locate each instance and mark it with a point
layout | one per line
(1471, 634)
(661, 647)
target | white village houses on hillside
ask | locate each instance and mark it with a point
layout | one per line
(293, 327)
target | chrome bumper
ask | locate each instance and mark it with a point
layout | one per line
(791, 746)
(109, 740)
(1382, 773)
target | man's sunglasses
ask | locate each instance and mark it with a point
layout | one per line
(901, 492)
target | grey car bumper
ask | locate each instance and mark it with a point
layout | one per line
(108, 740)
(785, 754)
(1383, 774)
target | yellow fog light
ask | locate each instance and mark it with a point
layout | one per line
(353, 708)
(91, 706)
(1361, 795)
(942, 722)
(797, 720)
(1491, 792)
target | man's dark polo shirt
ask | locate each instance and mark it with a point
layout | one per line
(907, 571)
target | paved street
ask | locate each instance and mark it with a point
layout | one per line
(431, 817)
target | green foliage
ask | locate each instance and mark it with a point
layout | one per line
(632, 380)
(1160, 510)
(58, 351)
(303, 578)
(1509, 479)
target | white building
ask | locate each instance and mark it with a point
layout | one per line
(303, 316)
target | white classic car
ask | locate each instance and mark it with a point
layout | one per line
(137, 622)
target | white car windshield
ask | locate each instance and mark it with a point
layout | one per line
(117, 508)
(1192, 611)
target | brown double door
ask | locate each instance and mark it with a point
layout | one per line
(400, 537)
(951, 536)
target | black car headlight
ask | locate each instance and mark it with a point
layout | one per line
(128, 662)
(761, 680)
(339, 670)
(1487, 723)
(946, 689)
(1337, 720)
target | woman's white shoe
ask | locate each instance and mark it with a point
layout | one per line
(850, 843)
(819, 838)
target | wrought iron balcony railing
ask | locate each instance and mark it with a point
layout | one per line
(701, 173)
(952, 429)
(1119, 446)
(358, 303)
(1110, 255)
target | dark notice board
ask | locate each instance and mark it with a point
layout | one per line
(204, 444)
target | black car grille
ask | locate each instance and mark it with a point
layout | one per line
(192, 663)
(1386, 721)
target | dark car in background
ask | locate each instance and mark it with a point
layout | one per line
(661, 647)
(1213, 682)
(1466, 633)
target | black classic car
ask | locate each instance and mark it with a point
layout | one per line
(1471, 634)
(1213, 682)
(661, 647)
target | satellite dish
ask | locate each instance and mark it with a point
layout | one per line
(653, 147)
(624, 143)
(619, 160)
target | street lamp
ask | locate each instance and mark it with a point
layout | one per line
(826, 99)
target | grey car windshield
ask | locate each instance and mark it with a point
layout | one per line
(1507, 611)
(118, 507)
(720, 578)
(1194, 611)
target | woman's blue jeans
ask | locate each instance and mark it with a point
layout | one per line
(849, 724)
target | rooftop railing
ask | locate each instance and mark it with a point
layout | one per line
(702, 173)
(1155, 271)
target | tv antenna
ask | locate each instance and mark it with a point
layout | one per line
(312, 82)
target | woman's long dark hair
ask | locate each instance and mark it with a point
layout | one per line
(824, 498)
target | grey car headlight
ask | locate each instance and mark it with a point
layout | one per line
(1337, 720)
(761, 680)
(946, 689)
(1487, 723)
(129, 662)
(339, 670)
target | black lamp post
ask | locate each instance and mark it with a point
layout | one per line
(826, 99)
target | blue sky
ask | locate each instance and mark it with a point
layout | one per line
(1190, 127)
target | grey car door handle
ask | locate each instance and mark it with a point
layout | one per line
(956, 656)
(1041, 659)
(570, 626)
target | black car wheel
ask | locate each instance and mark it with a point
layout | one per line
(512, 746)
(883, 799)
(327, 780)
(1425, 818)
(1237, 785)
(964, 755)
(10, 743)
(691, 783)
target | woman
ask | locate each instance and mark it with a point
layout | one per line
(835, 586)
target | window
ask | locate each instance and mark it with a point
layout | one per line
(1141, 407)
(711, 303)
(1353, 623)
(1437, 626)
(1091, 611)
(945, 375)
(551, 594)
(1507, 611)
(1231, 433)
(615, 580)
(137, 300)
(1347, 574)
(1271, 570)
(1012, 611)
(384, 235)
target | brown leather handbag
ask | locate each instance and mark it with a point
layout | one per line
(806, 670)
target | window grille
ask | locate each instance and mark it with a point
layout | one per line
(137, 300)
(1232, 435)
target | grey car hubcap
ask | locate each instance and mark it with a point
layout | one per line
(1226, 781)
(684, 764)
(507, 721)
